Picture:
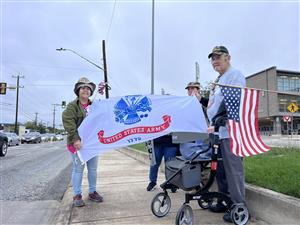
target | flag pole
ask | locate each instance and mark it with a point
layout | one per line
(271, 91)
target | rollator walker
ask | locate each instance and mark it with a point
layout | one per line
(195, 176)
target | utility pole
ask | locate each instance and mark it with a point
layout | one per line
(197, 72)
(152, 51)
(54, 119)
(35, 121)
(54, 116)
(17, 102)
(105, 69)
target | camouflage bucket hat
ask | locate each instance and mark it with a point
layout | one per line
(193, 85)
(84, 82)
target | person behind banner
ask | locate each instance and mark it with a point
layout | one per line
(72, 117)
(188, 149)
(163, 147)
(230, 173)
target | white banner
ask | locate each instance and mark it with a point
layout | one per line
(128, 120)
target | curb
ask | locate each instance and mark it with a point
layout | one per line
(271, 206)
(65, 208)
(264, 204)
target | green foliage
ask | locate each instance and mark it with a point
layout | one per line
(204, 90)
(54, 139)
(30, 125)
(40, 127)
(140, 147)
(277, 170)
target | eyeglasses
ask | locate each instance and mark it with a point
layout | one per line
(217, 57)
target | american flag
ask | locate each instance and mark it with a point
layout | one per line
(242, 108)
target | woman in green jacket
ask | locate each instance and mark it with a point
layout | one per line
(72, 117)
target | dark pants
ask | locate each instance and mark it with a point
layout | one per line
(230, 174)
(167, 151)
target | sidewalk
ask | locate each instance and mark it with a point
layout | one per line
(282, 141)
(122, 182)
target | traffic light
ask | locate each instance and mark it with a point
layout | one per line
(63, 104)
(3, 87)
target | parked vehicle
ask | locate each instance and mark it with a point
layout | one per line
(13, 138)
(59, 137)
(51, 136)
(44, 137)
(3, 144)
(31, 137)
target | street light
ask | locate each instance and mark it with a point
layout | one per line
(66, 49)
(94, 64)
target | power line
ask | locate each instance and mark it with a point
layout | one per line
(46, 85)
(23, 114)
(5, 104)
(48, 66)
(34, 101)
(12, 107)
(22, 111)
(111, 20)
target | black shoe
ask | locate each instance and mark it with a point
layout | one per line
(227, 217)
(173, 189)
(151, 186)
(218, 208)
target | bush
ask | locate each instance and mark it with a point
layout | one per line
(54, 139)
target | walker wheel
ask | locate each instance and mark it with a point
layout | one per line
(239, 214)
(185, 215)
(204, 202)
(161, 204)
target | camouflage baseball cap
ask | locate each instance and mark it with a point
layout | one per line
(218, 50)
(193, 85)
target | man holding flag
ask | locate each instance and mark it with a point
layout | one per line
(232, 181)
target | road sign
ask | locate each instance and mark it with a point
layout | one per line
(292, 107)
(287, 119)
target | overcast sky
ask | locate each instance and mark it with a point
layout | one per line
(258, 34)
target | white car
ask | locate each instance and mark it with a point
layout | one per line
(45, 137)
(59, 137)
(51, 136)
(13, 138)
(31, 137)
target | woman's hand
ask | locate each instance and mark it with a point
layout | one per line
(198, 95)
(101, 88)
(77, 144)
(211, 129)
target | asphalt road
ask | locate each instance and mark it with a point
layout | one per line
(33, 180)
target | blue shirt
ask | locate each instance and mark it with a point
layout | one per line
(231, 77)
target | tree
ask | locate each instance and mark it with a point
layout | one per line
(30, 125)
(204, 90)
(41, 128)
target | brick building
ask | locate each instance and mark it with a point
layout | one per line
(273, 106)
